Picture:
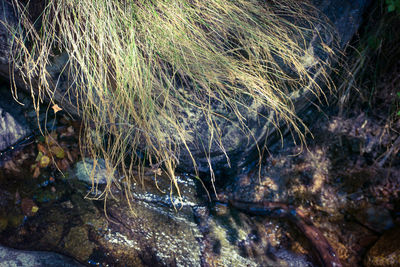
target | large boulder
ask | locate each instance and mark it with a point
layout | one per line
(240, 145)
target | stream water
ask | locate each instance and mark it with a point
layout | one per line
(350, 200)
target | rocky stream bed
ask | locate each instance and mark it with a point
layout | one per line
(345, 184)
(332, 202)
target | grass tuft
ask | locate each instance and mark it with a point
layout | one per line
(134, 65)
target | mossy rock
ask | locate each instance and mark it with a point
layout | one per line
(77, 243)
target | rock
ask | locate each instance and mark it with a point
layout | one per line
(386, 251)
(237, 240)
(240, 148)
(380, 218)
(375, 217)
(345, 15)
(9, 17)
(13, 125)
(11, 257)
(156, 230)
(77, 243)
(84, 169)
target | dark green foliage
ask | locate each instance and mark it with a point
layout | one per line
(393, 5)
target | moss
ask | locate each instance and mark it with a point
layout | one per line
(95, 220)
(53, 236)
(77, 243)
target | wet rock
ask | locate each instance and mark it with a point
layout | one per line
(374, 217)
(77, 243)
(9, 17)
(346, 15)
(237, 240)
(86, 169)
(346, 200)
(13, 125)
(11, 257)
(380, 217)
(158, 229)
(386, 251)
(54, 234)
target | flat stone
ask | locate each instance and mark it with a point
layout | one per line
(86, 169)
(11, 257)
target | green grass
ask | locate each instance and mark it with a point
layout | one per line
(127, 60)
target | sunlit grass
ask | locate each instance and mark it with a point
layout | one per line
(134, 65)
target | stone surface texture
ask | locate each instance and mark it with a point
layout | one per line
(11, 258)
(156, 230)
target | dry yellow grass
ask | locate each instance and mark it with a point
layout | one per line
(126, 60)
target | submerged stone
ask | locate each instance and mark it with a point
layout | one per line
(87, 169)
(158, 229)
(11, 257)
